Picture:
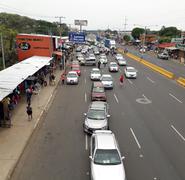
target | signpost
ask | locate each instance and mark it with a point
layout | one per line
(77, 37)
(81, 23)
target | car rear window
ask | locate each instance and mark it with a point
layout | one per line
(107, 157)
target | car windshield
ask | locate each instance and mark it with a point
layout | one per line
(95, 72)
(107, 157)
(96, 114)
(106, 78)
(113, 65)
(131, 70)
(75, 69)
(71, 75)
(98, 89)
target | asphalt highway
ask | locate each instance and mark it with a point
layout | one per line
(176, 68)
(147, 117)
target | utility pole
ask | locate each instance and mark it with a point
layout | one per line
(2, 47)
(125, 24)
(60, 24)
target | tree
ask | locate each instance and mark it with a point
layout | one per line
(169, 32)
(136, 32)
(126, 38)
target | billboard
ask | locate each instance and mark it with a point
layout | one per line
(81, 22)
(77, 37)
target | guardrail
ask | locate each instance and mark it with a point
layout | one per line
(150, 65)
(181, 81)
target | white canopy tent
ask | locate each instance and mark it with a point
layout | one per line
(11, 77)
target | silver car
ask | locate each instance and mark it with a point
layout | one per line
(97, 117)
(107, 81)
(72, 77)
(95, 74)
(130, 72)
(122, 62)
(105, 157)
(113, 67)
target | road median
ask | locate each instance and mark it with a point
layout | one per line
(181, 81)
(152, 66)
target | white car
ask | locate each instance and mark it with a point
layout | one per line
(118, 56)
(113, 67)
(130, 72)
(95, 74)
(97, 117)
(72, 77)
(106, 161)
(107, 81)
(122, 62)
(80, 57)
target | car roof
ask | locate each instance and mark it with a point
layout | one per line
(129, 67)
(97, 84)
(72, 72)
(113, 63)
(106, 75)
(105, 140)
(95, 69)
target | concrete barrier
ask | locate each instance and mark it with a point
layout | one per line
(181, 81)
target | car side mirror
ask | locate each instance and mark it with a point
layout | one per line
(85, 114)
(108, 115)
(90, 157)
(123, 157)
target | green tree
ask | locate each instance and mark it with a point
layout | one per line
(169, 32)
(136, 32)
(126, 38)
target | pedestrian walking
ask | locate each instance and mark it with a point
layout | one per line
(29, 112)
(121, 79)
(29, 92)
(99, 64)
(63, 79)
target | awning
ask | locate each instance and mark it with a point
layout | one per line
(165, 45)
(171, 48)
(58, 53)
(11, 77)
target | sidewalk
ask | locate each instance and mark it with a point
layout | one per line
(13, 140)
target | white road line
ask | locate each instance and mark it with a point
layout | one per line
(135, 138)
(85, 97)
(145, 97)
(181, 136)
(86, 142)
(130, 81)
(85, 81)
(116, 98)
(175, 98)
(150, 80)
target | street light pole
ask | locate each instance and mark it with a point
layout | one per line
(144, 39)
(2, 47)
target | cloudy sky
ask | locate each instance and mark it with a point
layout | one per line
(102, 14)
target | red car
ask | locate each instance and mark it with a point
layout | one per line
(76, 68)
(98, 92)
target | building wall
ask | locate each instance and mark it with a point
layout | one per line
(33, 45)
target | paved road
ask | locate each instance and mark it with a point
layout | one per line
(174, 67)
(147, 116)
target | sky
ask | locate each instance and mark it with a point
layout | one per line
(103, 14)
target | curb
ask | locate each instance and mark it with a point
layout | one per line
(181, 81)
(53, 93)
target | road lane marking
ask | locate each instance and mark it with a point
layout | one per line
(130, 81)
(116, 98)
(143, 100)
(175, 98)
(181, 136)
(150, 80)
(85, 97)
(86, 142)
(135, 138)
(85, 80)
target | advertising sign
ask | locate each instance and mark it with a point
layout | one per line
(81, 22)
(77, 37)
